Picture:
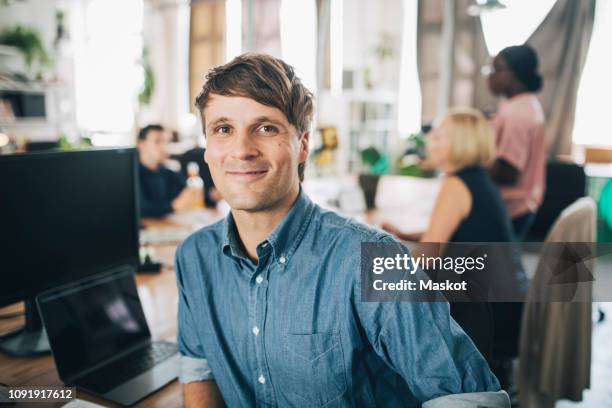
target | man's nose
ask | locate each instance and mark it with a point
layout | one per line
(244, 146)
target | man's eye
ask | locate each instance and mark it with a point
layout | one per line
(222, 129)
(268, 129)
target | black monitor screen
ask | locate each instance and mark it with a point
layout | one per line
(65, 216)
(89, 322)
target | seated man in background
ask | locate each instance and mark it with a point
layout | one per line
(162, 191)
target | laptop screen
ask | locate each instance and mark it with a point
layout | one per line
(91, 321)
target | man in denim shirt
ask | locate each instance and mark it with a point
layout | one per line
(269, 298)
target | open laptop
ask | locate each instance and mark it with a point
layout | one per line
(101, 341)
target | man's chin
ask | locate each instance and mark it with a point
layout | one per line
(249, 203)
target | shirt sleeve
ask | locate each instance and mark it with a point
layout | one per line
(154, 208)
(178, 182)
(512, 141)
(424, 345)
(193, 362)
(498, 399)
(173, 183)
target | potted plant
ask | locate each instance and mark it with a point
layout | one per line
(29, 43)
(413, 160)
(148, 85)
(377, 164)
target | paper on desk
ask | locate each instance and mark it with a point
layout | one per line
(196, 219)
(156, 235)
(79, 403)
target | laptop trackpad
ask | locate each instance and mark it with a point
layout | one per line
(146, 383)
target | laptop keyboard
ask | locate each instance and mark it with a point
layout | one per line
(108, 377)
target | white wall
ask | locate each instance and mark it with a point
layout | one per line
(363, 22)
(40, 15)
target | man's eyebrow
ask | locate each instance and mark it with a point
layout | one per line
(260, 119)
(217, 121)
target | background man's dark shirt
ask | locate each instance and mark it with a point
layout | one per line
(158, 189)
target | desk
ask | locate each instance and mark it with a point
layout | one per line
(159, 299)
(405, 201)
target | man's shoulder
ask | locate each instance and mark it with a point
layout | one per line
(330, 222)
(168, 172)
(207, 239)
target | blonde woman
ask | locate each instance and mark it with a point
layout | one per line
(469, 207)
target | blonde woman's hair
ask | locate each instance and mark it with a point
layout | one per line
(472, 139)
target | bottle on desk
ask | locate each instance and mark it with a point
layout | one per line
(195, 181)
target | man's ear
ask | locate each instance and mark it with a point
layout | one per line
(304, 146)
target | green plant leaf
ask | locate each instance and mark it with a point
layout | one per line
(28, 42)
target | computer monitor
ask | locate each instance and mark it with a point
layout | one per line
(65, 216)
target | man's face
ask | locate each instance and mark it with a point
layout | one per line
(154, 149)
(253, 152)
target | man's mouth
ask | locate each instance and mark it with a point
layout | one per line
(247, 175)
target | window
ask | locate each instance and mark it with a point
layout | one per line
(233, 29)
(409, 101)
(514, 24)
(299, 39)
(108, 75)
(592, 111)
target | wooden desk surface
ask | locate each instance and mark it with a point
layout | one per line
(405, 201)
(159, 299)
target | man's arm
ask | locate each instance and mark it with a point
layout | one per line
(202, 394)
(187, 199)
(199, 386)
(183, 197)
(504, 173)
(421, 342)
(154, 208)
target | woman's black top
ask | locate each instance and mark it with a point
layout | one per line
(488, 219)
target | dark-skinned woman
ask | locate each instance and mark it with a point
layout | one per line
(519, 169)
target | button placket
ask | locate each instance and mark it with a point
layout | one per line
(259, 295)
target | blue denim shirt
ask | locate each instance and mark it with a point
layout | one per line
(291, 330)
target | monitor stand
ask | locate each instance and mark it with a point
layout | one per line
(28, 340)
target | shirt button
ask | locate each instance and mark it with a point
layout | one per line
(259, 279)
(256, 330)
(282, 260)
(261, 379)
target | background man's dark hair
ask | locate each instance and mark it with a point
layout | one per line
(265, 79)
(144, 132)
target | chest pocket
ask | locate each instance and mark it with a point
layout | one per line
(313, 368)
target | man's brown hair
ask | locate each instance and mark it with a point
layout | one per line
(265, 79)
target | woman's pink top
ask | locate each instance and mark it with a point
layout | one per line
(521, 141)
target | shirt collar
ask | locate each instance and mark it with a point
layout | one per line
(283, 240)
(231, 244)
(145, 169)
